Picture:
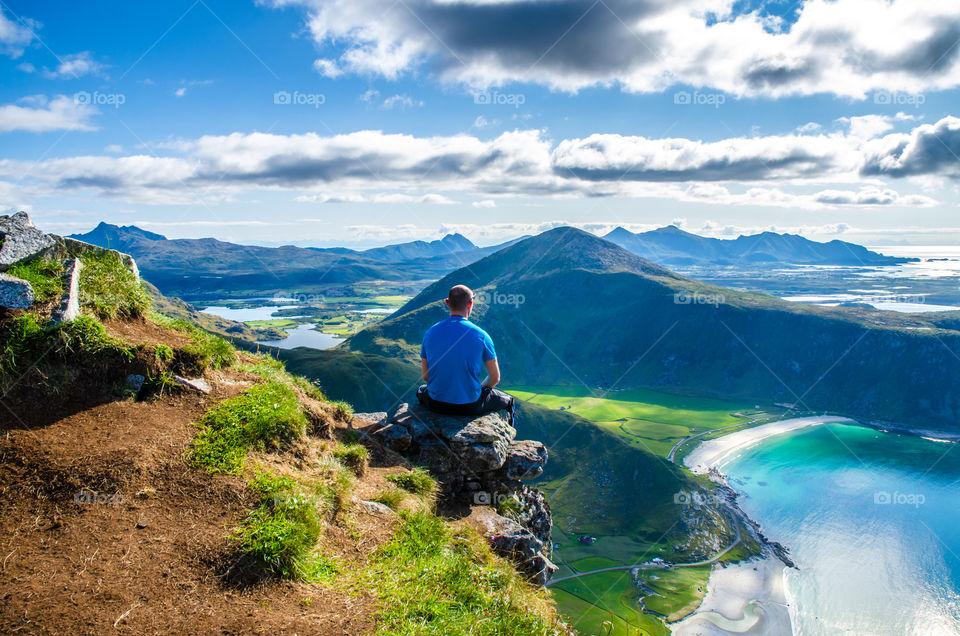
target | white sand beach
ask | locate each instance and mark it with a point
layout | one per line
(714, 452)
(745, 598)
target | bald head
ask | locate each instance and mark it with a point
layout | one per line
(460, 299)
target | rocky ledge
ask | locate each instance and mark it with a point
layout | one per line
(478, 462)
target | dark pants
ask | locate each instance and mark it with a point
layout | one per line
(490, 400)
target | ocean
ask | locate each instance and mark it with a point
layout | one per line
(872, 521)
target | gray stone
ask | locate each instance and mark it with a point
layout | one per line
(134, 382)
(70, 303)
(376, 508)
(510, 539)
(525, 460)
(394, 437)
(197, 384)
(15, 293)
(20, 239)
(378, 418)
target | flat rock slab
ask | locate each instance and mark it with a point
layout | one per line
(15, 293)
(70, 304)
(197, 384)
(366, 419)
(21, 239)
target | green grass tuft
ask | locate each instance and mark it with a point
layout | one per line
(392, 498)
(205, 349)
(282, 532)
(353, 456)
(43, 275)
(432, 582)
(109, 289)
(266, 416)
(418, 481)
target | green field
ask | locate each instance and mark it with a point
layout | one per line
(652, 422)
(647, 419)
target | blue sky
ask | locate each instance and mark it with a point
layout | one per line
(364, 122)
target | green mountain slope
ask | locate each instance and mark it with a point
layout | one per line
(566, 307)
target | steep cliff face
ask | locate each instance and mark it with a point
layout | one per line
(478, 461)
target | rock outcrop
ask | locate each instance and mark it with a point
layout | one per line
(15, 293)
(21, 239)
(477, 461)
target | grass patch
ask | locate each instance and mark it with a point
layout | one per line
(432, 582)
(109, 289)
(392, 498)
(26, 341)
(266, 416)
(280, 535)
(418, 481)
(43, 275)
(353, 456)
(204, 351)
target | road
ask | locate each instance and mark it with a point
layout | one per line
(676, 447)
(651, 566)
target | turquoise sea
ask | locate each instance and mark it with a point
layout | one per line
(872, 520)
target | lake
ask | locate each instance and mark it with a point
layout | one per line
(870, 518)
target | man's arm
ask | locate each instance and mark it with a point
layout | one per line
(493, 373)
(423, 369)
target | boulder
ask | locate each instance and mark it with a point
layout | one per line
(66, 246)
(70, 303)
(511, 540)
(15, 293)
(376, 509)
(134, 382)
(20, 239)
(477, 461)
(525, 460)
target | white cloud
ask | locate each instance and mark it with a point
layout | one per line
(180, 92)
(793, 171)
(15, 34)
(38, 114)
(486, 203)
(648, 45)
(327, 68)
(75, 66)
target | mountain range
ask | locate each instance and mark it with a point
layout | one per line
(674, 247)
(207, 267)
(567, 307)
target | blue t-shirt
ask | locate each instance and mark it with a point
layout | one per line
(455, 350)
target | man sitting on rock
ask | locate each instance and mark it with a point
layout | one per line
(453, 355)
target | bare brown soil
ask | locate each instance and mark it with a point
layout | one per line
(104, 528)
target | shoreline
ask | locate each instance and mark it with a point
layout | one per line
(747, 597)
(711, 453)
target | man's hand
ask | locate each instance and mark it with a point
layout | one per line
(423, 369)
(493, 373)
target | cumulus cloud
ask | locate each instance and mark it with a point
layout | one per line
(928, 150)
(38, 114)
(15, 34)
(75, 66)
(647, 45)
(799, 171)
